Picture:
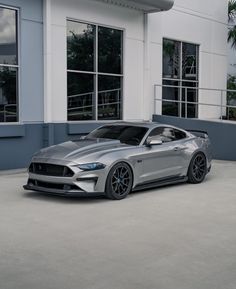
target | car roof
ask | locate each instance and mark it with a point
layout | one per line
(146, 124)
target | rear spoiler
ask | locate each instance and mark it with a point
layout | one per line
(199, 133)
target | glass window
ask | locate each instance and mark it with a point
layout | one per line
(94, 77)
(170, 96)
(171, 58)
(180, 79)
(131, 135)
(8, 91)
(81, 96)
(8, 36)
(179, 134)
(189, 61)
(109, 50)
(8, 66)
(189, 98)
(109, 97)
(167, 134)
(80, 46)
(156, 132)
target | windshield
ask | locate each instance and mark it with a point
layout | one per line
(131, 135)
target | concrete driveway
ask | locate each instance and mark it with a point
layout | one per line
(177, 237)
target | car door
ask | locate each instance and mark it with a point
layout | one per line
(164, 160)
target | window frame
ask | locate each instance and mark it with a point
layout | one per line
(96, 73)
(16, 66)
(180, 80)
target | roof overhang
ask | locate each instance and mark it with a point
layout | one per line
(147, 6)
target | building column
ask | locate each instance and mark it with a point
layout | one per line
(147, 93)
(47, 61)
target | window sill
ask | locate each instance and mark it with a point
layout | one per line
(12, 130)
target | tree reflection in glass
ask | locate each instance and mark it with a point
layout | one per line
(80, 46)
(110, 50)
(94, 77)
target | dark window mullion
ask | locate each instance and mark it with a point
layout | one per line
(96, 74)
(181, 78)
(17, 44)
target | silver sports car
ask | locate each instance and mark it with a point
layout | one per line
(118, 158)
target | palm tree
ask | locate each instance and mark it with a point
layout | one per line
(231, 18)
(231, 82)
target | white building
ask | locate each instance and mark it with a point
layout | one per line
(80, 63)
(197, 23)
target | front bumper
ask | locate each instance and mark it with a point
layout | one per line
(82, 183)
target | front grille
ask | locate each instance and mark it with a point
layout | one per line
(50, 170)
(47, 185)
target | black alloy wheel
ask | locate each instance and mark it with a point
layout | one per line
(197, 169)
(119, 181)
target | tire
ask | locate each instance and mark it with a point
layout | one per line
(119, 181)
(197, 169)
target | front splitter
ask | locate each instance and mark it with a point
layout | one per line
(62, 193)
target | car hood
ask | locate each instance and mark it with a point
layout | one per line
(73, 150)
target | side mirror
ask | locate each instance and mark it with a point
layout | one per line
(153, 142)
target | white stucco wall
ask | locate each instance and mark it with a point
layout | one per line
(100, 13)
(196, 21)
(202, 23)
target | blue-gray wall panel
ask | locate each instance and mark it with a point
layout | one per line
(14, 130)
(16, 152)
(222, 134)
(31, 76)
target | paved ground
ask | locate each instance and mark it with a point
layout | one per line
(178, 237)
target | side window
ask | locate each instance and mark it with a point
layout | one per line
(156, 132)
(179, 134)
(167, 134)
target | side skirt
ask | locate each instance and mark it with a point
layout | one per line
(160, 183)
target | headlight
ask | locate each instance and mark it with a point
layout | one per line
(91, 167)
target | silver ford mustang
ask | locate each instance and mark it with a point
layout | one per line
(118, 158)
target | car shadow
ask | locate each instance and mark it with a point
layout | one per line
(63, 199)
(159, 188)
(162, 189)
